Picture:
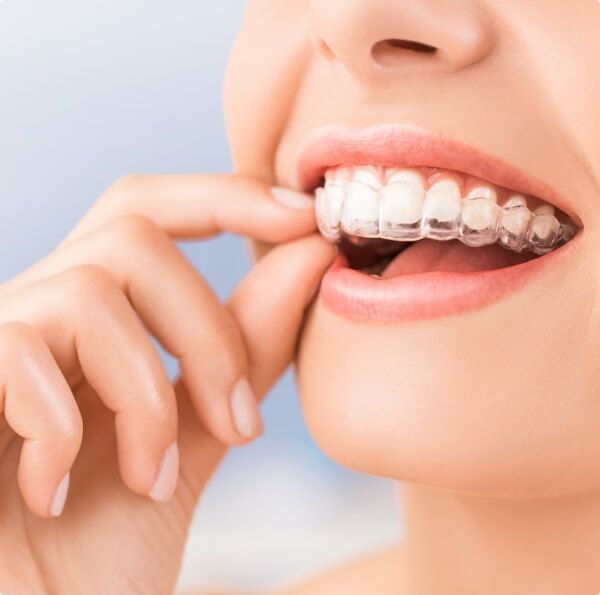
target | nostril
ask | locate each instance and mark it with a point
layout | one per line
(388, 51)
(410, 45)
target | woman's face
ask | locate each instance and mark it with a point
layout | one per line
(494, 388)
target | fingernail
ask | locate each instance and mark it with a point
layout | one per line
(60, 496)
(166, 477)
(292, 198)
(244, 410)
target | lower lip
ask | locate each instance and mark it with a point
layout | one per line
(359, 297)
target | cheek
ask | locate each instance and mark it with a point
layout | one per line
(504, 401)
(266, 67)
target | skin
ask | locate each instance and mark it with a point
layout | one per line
(489, 419)
(503, 438)
(83, 310)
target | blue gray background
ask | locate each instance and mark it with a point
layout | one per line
(93, 90)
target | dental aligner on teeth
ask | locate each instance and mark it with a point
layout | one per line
(394, 204)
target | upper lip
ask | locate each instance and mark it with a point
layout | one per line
(402, 145)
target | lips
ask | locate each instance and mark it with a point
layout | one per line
(430, 278)
(420, 296)
(393, 145)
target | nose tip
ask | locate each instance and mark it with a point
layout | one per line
(375, 37)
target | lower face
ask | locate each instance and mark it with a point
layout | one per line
(501, 399)
(472, 369)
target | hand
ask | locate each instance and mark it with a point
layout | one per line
(89, 413)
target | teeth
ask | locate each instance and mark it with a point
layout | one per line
(514, 223)
(518, 200)
(393, 204)
(371, 176)
(400, 210)
(544, 230)
(329, 209)
(545, 210)
(340, 176)
(479, 221)
(486, 192)
(321, 207)
(567, 232)
(441, 211)
(360, 211)
(405, 176)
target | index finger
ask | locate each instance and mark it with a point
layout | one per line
(195, 206)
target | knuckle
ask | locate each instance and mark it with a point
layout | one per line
(70, 429)
(227, 334)
(63, 440)
(88, 280)
(160, 402)
(132, 231)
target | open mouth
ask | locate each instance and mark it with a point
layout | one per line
(392, 221)
(428, 226)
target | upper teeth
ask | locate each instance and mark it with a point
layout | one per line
(357, 202)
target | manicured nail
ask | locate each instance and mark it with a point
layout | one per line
(166, 477)
(60, 496)
(244, 410)
(293, 199)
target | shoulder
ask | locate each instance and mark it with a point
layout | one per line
(380, 572)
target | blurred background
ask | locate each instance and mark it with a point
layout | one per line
(93, 90)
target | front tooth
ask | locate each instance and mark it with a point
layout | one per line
(441, 211)
(544, 230)
(400, 211)
(514, 222)
(340, 175)
(345, 174)
(329, 201)
(360, 210)
(405, 176)
(369, 175)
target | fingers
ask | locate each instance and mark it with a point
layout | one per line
(269, 304)
(180, 309)
(39, 406)
(87, 321)
(195, 206)
(119, 271)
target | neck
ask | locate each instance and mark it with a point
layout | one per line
(457, 543)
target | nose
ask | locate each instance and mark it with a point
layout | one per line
(374, 37)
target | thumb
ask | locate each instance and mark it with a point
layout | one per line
(268, 306)
(270, 302)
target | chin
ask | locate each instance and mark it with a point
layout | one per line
(498, 401)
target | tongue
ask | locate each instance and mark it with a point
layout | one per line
(427, 256)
